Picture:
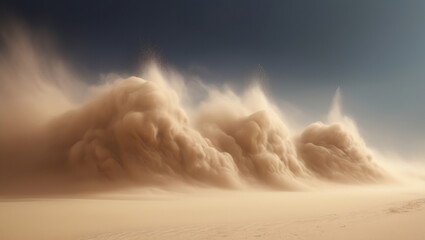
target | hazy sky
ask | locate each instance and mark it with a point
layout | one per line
(373, 50)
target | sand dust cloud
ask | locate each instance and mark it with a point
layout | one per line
(57, 130)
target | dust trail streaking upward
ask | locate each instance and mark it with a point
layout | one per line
(139, 130)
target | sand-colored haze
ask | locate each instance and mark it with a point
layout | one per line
(138, 130)
(153, 157)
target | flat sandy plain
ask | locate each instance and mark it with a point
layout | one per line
(348, 213)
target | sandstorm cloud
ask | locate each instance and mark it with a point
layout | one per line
(151, 130)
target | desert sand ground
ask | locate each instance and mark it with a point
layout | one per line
(346, 213)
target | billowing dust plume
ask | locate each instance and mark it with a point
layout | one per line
(149, 131)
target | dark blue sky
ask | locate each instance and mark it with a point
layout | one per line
(374, 50)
